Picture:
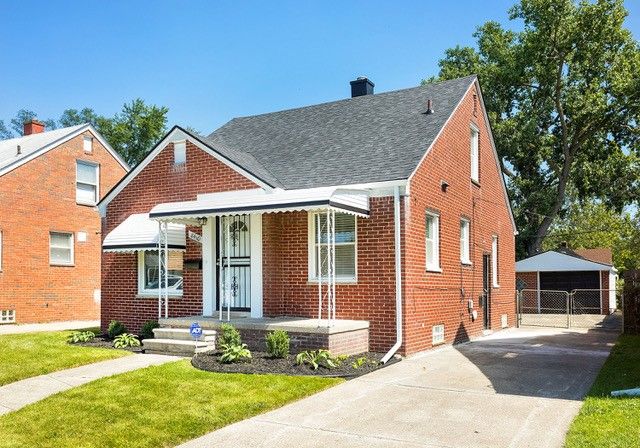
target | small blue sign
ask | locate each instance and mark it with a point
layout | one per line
(195, 330)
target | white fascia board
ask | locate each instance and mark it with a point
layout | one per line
(108, 147)
(175, 135)
(552, 261)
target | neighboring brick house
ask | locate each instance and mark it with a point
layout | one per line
(50, 183)
(399, 196)
(590, 272)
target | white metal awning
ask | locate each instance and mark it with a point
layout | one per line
(355, 202)
(138, 232)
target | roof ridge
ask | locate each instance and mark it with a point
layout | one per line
(357, 98)
(39, 134)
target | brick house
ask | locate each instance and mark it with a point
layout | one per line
(590, 273)
(377, 222)
(50, 183)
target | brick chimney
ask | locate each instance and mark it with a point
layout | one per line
(33, 126)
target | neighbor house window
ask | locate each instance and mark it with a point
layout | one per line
(475, 156)
(432, 241)
(87, 181)
(60, 248)
(148, 272)
(464, 241)
(180, 153)
(346, 252)
(87, 144)
(494, 261)
(7, 316)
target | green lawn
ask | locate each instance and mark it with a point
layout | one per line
(157, 406)
(611, 422)
(32, 354)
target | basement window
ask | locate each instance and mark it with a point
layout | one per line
(437, 334)
(7, 316)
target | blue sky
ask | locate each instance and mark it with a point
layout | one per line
(210, 61)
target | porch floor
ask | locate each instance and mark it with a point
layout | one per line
(287, 323)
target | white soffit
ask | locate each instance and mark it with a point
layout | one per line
(138, 232)
(552, 261)
(355, 202)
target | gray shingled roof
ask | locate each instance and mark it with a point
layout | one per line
(370, 138)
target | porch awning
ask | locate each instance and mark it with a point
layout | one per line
(138, 232)
(355, 202)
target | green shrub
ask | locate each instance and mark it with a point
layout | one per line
(228, 335)
(81, 336)
(125, 340)
(116, 328)
(316, 358)
(234, 353)
(278, 344)
(146, 332)
(359, 362)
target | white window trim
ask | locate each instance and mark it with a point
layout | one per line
(467, 243)
(73, 255)
(97, 184)
(475, 153)
(436, 267)
(151, 292)
(86, 139)
(7, 316)
(495, 251)
(180, 142)
(311, 242)
(437, 336)
(1, 247)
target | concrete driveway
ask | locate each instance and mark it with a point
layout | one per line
(516, 388)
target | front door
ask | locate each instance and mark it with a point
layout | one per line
(235, 271)
(486, 290)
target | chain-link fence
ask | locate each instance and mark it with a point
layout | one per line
(580, 308)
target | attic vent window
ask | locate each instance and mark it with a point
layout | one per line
(87, 144)
(180, 153)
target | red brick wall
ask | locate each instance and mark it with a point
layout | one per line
(39, 197)
(441, 298)
(529, 278)
(160, 182)
(287, 291)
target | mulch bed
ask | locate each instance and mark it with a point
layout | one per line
(260, 363)
(104, 342)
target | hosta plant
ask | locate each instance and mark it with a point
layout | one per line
(234, 353)
(81, 336)
(126, 340)
(316, 358)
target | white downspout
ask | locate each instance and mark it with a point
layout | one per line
(397, 241)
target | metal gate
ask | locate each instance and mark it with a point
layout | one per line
(579, 308)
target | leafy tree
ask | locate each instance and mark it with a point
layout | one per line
(5, 133)
(74, 117)
(134, 131)
(593, 224)
(563, 98)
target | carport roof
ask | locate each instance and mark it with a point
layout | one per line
(560, 260)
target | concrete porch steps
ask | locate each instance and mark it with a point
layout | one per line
(178, 341)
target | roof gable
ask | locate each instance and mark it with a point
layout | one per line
(34, 145)
(557, 261)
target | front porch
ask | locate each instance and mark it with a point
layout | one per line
(348, 337)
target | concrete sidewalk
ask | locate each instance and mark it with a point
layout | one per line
(16, 395)
(517, 388)
(51, 326)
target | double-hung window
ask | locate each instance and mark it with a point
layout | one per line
(346, 250)
(464, 241)
(87, 182)
(475, 154)
(432, 241)
(494, 261)
(148, 262)
(61, 248)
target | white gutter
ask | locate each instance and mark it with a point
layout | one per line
(396, 225)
